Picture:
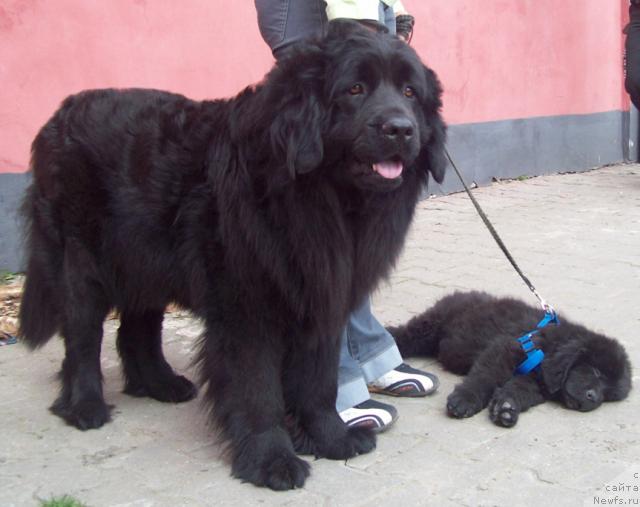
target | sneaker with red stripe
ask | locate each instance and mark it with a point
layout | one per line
(371, 414)
(405, 381)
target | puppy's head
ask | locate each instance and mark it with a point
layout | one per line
(586, 370)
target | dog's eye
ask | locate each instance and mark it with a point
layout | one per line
(356, 89)
(409, 92)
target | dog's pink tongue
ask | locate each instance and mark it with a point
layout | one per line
(388, 169)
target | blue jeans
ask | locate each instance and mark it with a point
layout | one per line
(367, 350)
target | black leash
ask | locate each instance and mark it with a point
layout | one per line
(545, 306)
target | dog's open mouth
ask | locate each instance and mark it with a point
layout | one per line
(389, 169)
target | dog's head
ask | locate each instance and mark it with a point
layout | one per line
(586, 370)
(358, 103)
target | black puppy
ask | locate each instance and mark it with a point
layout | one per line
(475, 334)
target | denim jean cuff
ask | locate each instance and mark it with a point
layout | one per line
(351, 394)
(381, 363)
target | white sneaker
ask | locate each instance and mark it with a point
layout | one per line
(370, 414)
(405, 381)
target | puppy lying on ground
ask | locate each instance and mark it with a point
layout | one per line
(475, 334)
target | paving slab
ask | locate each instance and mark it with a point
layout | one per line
(577, 236)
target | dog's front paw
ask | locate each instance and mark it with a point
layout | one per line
(280, 471)
(332, 439)
(462, 403)
(355, 441)
(267, 459)
(504, 410)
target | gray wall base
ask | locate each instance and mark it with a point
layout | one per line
(12, 187)
(482, 151)
(533, 146)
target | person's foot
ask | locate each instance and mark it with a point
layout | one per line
(371, 414)
(405, 381)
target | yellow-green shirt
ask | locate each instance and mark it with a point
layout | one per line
(360, 9)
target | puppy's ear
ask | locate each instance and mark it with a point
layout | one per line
(555, 367)
(612, 360)
(432, 156)
(619, 388)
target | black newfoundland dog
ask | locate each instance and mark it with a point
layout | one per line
(475, 334)
(270, 215)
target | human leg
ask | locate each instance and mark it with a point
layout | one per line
(283, 23)
(632, 48)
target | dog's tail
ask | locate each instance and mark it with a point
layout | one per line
(41, 298)
(418, 337)
(39, 315)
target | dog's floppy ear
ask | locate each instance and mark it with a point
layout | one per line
(556, 366)
(296, 131)
(295, 110)
(284, 117)
(432, 156)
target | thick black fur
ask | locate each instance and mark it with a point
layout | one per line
(261, 213)
(475, 334)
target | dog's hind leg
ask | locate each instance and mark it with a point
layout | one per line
(146, 371)
(81, 403)
(517, 395)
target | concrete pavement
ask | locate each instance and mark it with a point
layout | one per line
(577, 236)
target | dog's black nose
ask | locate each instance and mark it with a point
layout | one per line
(397, 128)
(591, 395)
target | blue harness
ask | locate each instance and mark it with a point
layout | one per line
(534, 355)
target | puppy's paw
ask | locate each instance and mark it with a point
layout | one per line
(462, 403)
(504, 410)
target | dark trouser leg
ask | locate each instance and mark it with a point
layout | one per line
(283, 23)
(632, 47)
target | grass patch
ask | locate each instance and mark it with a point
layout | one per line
(6, 277)
(62, 501)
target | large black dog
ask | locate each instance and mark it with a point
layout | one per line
(475, 334)
(270, 215)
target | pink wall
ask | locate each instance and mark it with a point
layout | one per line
(498, 59)
(502, 59)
